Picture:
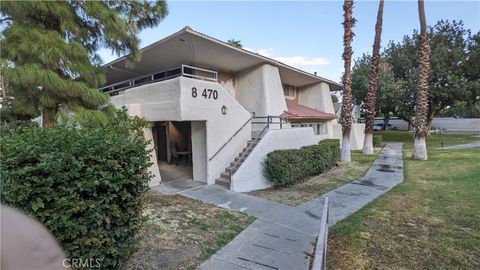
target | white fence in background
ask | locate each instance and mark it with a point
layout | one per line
(449, 123)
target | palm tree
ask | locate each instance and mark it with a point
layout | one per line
(348, 24)
(235, 43)
(372, 86)
(421, 108)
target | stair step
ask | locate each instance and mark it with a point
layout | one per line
(225, 175)
(223, 182)
(250, 143)
(231, 167)
(241, 158)
(249, 148)
(224, 179)
(245, 153)
(236, 165)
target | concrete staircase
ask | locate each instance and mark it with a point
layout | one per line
(226, 176)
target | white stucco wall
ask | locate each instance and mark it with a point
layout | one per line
(316, 96)
(227, 81)
(199, 151)
(319, 138)
(250, 174)
(219, 127)
(155, 102)
(330, 131)
(356, 135)
(172, 100)
(260, 90)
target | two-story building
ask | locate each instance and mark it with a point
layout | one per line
(219, 110)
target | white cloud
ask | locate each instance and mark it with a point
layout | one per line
(302, 62)
(264, 52)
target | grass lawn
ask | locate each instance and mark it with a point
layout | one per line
(180, 233)
(430, 221)
(434, 141)
(317, 185)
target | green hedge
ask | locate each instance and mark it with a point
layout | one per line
(377, 140)
(284, 167)
(85, 185)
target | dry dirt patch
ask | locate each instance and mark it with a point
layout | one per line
(180, 233)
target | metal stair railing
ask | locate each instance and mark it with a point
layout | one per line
(269, 121)
(231, 137)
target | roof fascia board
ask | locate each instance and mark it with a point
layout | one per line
(189, 30)
(153, 45)
(267, 59)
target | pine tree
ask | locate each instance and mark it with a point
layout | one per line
(50, 51)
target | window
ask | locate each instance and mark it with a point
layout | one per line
(319, 128)
(289, 91)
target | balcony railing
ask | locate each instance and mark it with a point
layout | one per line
(183, 70)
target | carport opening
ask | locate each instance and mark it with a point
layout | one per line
(173, 141)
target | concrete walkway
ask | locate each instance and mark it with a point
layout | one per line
(385, 173)
(283, 236)
(176, 186)
(462, 146)
(280, 238)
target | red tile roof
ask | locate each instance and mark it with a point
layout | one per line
(298, 112)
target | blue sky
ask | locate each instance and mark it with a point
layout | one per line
(307, 35)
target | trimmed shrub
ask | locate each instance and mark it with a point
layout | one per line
(377, 140)
(85, 185)
(284, 167)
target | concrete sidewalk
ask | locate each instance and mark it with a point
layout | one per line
(283, 236)
(385, 173)
(461, 146)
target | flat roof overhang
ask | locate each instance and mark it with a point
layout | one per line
(300, 113)
(193, 48)
(306, 119)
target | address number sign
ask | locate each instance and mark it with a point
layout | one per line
(206, 93)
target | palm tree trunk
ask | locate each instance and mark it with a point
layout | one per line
(421, 108)
(4, 93)
(348, 24)
(372, 86)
